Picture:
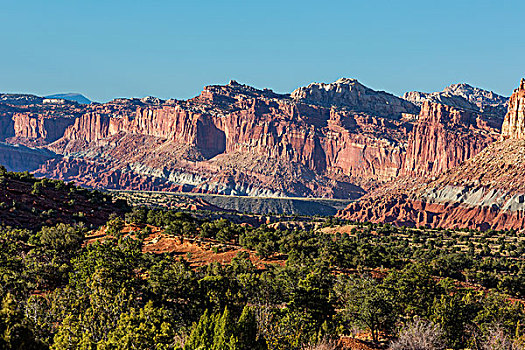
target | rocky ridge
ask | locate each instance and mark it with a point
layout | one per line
(483, 192)
(353, 95)
(239, 140)
(514, 123)
(20, 99)
(467, 97)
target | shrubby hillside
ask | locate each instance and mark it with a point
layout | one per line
(174, 279)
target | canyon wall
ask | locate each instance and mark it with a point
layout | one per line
(325, 140)
(246, 130)
(514, 123)
(483, 192)
(445, 137)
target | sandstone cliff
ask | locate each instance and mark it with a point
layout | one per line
(355, 96)
(483, 192)
(240, 140)
(514, 123)
(444, 137)
(325, 140)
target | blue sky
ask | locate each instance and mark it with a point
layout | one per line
(171, 49)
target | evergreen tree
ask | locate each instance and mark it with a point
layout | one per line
(15, 331)
(247, 330)
(224, 329)
(146, 328)
(202, 333)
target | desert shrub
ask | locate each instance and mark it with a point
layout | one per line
(326, 343)
(498, 339)
(37, 188)
(420, 335)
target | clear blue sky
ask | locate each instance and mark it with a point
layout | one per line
(107, 49)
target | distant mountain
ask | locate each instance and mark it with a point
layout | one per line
(464, 96)
(20, 99)
(71, 97)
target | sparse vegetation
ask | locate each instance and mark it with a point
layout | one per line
(283, 287)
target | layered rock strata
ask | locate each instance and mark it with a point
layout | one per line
(337, 140)
(514, 123)
(445, 137)
(484, 192)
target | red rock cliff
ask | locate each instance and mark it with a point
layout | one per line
(483, 192)
(323, 140)
(514, 123)
(444, 137)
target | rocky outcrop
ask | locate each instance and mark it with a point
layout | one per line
(326, 140)
(466, 97)
(481, 98)
(351, 94)
(514, 123)
(400, 210)
(484, 192)
(444, 137)
(38, 129)
(481, 193)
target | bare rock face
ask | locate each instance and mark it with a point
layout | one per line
(444, 137)
(483, 192)
(466, 97)
(481, 98)
(351, 94)
(336, 140)
(236, 139)
(445, 98)
(514, 123)
(37, 129)
(22, 158)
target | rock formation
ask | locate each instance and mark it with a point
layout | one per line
(514, 123)
(20, 99)
(355, 96)
(444, 137)
(466, 97)
(337, 140)
(232, 139)
(484, 192)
